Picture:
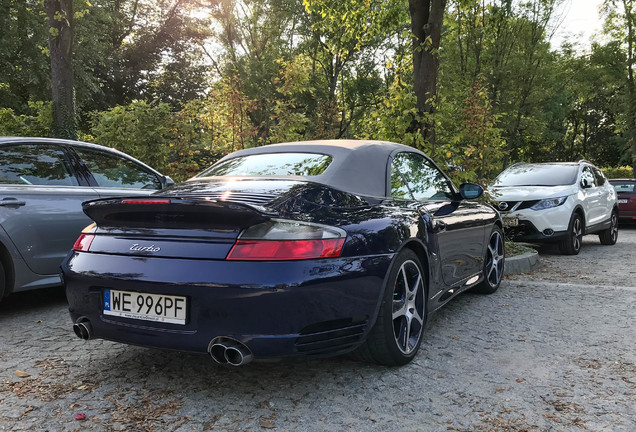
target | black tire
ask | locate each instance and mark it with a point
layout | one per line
(494, 262)
(571, 243)
(610, 235)
(3, 282)
(397, 334)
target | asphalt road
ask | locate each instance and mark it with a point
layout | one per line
(551, 350)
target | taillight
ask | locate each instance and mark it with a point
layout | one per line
(278, 250)
(145, 201)
(83, 242)
(278, 240)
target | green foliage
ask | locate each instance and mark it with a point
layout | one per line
(24, 66)
(233, 74)
(208, 129)
(618, 172)
(36, 123)
(479, 141)
(141, 129)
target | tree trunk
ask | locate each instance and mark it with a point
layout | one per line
(60, 21)
(426, 24)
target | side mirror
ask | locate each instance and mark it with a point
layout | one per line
(167, 181)
(470, 191)
(585, 184)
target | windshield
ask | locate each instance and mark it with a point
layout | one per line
(538, 175)
(271, 164)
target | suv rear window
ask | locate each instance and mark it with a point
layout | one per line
(271, 164)
(538, 175)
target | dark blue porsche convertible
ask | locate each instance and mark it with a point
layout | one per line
(289, 250)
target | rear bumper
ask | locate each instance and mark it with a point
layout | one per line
(625, 215)
(277, 309)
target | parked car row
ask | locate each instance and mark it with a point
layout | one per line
(297, 249)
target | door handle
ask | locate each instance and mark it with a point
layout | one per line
(11, 202)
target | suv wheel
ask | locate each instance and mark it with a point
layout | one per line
(610, 235)
(2, 282)
(571, 243)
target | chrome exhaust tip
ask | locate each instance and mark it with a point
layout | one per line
(83, 329)
(217, 352)
(225, 350)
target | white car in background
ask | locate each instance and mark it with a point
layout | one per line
(556, 202)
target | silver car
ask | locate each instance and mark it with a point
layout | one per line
(43, 183)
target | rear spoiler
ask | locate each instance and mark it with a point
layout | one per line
(178, 213)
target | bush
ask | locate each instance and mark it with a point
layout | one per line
(36, 124)
(141, 129)
(620, 172)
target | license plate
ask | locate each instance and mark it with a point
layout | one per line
(510, 222)
(622, 201)
(147, 307)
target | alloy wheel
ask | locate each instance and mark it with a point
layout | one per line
(408, 307)
(495, 259)
(577, 233)
(614, 228)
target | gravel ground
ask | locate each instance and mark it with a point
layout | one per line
(551, 350)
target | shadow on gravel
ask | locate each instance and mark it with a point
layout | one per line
(30, 301)
(628, 226)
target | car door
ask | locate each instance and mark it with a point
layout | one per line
(457, 228)
(592, 197)
(114, 175)
(607, 195)
(41, 203)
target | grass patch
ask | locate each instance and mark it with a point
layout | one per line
(513, 249)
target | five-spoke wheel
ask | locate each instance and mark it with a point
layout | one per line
(408, 307)
(571, 243)
(493, 263)
(610, 235)
(397, 334)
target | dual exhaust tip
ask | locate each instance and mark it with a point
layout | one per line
(83, 329)
(225, 350)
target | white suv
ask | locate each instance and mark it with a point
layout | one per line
(556, 202)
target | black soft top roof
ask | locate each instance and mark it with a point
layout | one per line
(359, 167)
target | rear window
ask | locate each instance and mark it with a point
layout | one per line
(624, 187)
(271, 164)
(538, 175)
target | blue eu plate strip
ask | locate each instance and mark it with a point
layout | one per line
(106, 299)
